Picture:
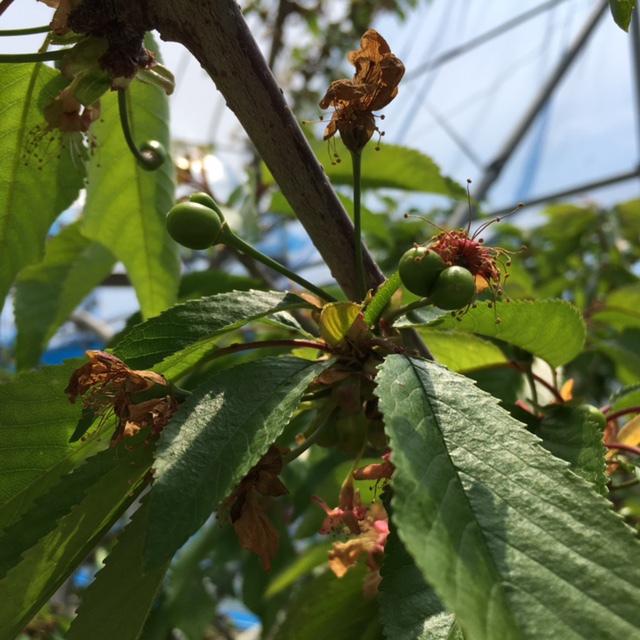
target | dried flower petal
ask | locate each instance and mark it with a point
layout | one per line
(106, 383)
(374, 86)
(256, 533)
(251, 525)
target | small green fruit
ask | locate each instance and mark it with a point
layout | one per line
(194, 225)
(205, 199)
(454, 289)
(588, 413)
(419, 269)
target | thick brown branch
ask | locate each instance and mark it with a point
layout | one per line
(217, 35)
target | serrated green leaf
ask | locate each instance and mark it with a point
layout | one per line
(33, 193)
(117, 603)
(48, 292)
(574, 433)
(409, 608)
(333, 606)
(461, 351)
(622, 10)
(51, 507)
(550, 329)
(36, 421)
(186, 329)
(510, 539)
(126, 205)
(76, 513)
(392, 167)
(216, 437)
(626, 397)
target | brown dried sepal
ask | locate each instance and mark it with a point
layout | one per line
(254, 530)
(105, 383)
(374, 86)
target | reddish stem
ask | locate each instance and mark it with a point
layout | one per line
(623, 447)
(556, 394)
(623, 412)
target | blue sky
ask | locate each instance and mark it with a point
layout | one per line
(590, 129)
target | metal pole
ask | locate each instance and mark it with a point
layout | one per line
(480, 40)
(589, 186)
(494, 168)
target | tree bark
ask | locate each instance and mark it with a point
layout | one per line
(216, 34)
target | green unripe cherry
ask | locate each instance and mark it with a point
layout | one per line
(588, 413)
(454, 289)
(194, 225)
(205, 199)
(419, 269)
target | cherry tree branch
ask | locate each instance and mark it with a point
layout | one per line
(218, 37)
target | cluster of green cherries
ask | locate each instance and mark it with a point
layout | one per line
(423, 272)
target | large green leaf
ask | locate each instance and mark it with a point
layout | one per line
(33, 190)
(117, 603)
(550, 329)
(126, 205)
(409, 608)
(63, 496)
(461, 351)
(36, 422)
(334, 607)
(218, 435)
(515, 545)
(190, 327)
(62, 528)
(48, 292)
(626, 397)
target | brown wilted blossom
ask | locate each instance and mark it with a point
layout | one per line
(380, 471)
(374, 86)
(106, 383)
(368, 524)
(254, 530)
(370, 542)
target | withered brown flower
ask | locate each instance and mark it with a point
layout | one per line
(139, 399)
(374, 86)
(254, 530)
